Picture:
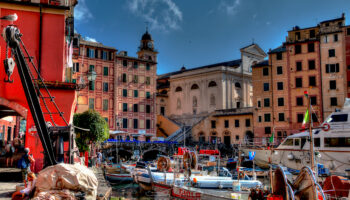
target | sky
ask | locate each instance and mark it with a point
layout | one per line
(194, 33)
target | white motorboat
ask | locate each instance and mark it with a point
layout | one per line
(331, 147)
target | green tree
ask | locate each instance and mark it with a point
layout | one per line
(99, 130)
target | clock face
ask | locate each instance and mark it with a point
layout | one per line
(149, 45)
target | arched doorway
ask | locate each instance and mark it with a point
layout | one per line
(201, 137)
(227, 138)
(153, 154)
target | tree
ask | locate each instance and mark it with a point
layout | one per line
(99, 130)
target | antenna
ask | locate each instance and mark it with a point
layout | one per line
(146, 26)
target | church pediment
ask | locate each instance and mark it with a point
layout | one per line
(254, 49)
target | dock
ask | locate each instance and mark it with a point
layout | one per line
(104, 189)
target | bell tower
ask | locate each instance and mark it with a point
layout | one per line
(146, 48)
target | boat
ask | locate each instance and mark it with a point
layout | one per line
(331, 147)
(116, 173)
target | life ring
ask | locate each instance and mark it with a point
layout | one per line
(163, 164)
(326, 127)
(194, 160)
(187, 160)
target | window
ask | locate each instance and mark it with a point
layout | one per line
(104, 55)
(337, 142)
(300, 101)
(247, 122)
(148, 108)
(298, 82)
(267, 117)
(339, 118)
(105, 71)
(226, 124)
(74, 80)
(91, 85)
(332, 84)
(280, 101)
(335, 38)
(194, 87)
(312, 81)
(279, 56)
(334, 101)
(279, 85)
(136, 107)
(236, 123)
(105, 87)
(125, 92)
(213, 124)
(348, 31)
(312, 64)
(105, 104)
(237, 85)
(237, 137)
(136, 78)
(331, 52)
(267, 102)
(91, 68)
(148, 80)
(92, 103)
(124, 78)
(312, 33)
(259, 104)
(265, 71)
(313, 100)
(148, 95)
(332, 68)
(314, 117)
(259, 119)
(266, 87)
(212, 84)
(178, 89)
(238, 104)
(136, 65)
(297, 49)
(91, 53)
(299, 66)
(311, 47)
(281, 117)
(317, 142)
(300, 117)
(148, 66)
(297, 35)
(279, 133)
(325, 39)
(136, 124)
(125, 123)
(125, 63)
(76, 67)
(148, 124)
(136, 93)
(267, 130)
(125, 107)
(106, 119)
(279, 70)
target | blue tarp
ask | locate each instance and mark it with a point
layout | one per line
(136, 141)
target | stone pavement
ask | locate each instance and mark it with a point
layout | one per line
(9, 178)
(6, 189)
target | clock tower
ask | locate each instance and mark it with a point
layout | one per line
(146, 49)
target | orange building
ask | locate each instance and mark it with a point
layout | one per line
(313, 60)
(94, 61)
(136, 92)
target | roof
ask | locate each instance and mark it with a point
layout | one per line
(96, 44)
(232, 63)
(261, 63)
(146, 36)
(234, 112)
(332, 20)
(278, 49)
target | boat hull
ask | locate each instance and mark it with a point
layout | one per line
(119, 177)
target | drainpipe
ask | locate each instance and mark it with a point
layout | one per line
(40, 38)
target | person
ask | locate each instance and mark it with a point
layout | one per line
(24, 164)
(9, 153)
(99, 158)
(28, 188)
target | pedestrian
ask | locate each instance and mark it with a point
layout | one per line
(28, 190)
(24, 163)
(99, 158)
(9, 153)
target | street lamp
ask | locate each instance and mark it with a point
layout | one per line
(91, 75)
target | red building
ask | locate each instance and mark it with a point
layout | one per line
(45, 25)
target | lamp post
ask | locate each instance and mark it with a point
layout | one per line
(91, 75)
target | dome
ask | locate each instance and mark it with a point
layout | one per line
(146, 36)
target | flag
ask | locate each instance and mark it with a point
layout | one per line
(306, 119)
(272, 138)
(70, 55)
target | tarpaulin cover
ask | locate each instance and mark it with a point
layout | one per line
(66, 176)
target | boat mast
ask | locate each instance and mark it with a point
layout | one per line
(310, 132)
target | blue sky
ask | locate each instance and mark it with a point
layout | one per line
(199, 32)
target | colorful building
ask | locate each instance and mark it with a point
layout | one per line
(46, 26)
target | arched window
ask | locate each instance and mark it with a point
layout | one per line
(212, 84)
(194, 87)
(226, 133)
(178, 104)
(237, 85)
(164, 92)
(178, 89)
(212, 100)
(194, 103)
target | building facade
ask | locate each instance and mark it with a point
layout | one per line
(311, 60)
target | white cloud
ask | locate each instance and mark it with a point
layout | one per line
(82, 12)
(90, 39)
(254, 16)
(268, 23)
(229, 6)
(161, 15)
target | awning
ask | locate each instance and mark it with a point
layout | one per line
(117, 132)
